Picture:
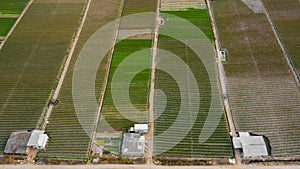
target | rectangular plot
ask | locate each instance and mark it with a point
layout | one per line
(138, 86)
(32, 58)
(262, 92)
(218, 144)
(64, 125)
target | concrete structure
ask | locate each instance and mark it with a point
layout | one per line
(133, 145)
(252, 146)
(38, 140)
(17, 142)
(224, 55)
(141, 128)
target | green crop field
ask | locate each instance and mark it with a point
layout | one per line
(68, 140)
(138, 86)
(12, 6)
(286, 16)
(30, 63)
(5, 25)
(198, 17)
(218, 145)
(261, 90)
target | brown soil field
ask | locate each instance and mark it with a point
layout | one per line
(286, 16)
(262, 92)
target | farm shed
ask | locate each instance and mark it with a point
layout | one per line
(141, 128)
(38, 140)
(17, 142)
(252, 146)
(133, 145)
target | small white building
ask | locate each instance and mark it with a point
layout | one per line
(252, 146)
(224, 55)
(38, 140)
(141, 128)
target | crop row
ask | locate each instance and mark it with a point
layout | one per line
(5, 25)
(138, 6)
(286, 16)
(218, 144)
(198, 17)
(68, 140)
(139, 84)
(189, 146)
(29, 72)
(138, 87)
(262, 92)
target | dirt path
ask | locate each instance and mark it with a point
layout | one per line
(221, 74)
(150, 134)
(222, 79)
(9, 15)
(16, 23)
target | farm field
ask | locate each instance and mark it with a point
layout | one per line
(137, 6)
(9, 12)
(112, 123)
(134, 7)
(138, 87)
(218, 145)
(187, 102)
(183, 5)
(286, 16)
(12, 6)
(262, 92)
(198, 17)
(68, 140)
(29, 73)
(5, 25)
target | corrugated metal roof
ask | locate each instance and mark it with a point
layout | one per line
(38, 139)
(17, 142)
(253, 146)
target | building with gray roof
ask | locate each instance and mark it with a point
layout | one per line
(252, 146)
(133, 145)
